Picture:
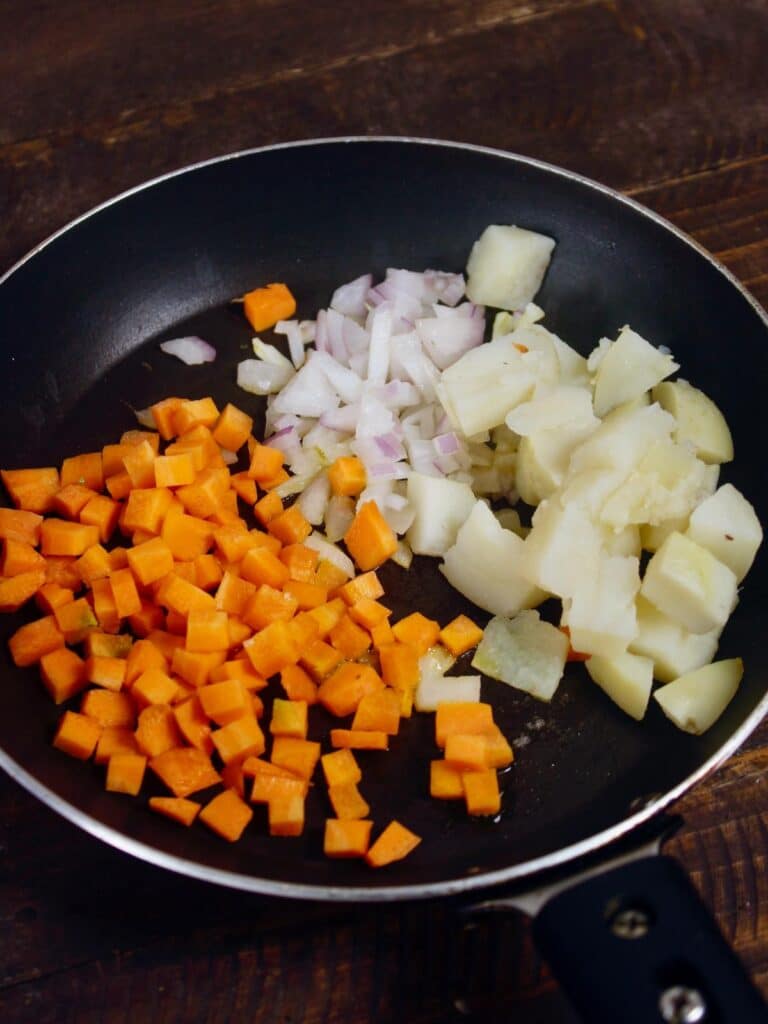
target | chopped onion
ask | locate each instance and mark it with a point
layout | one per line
(330, 553)
(260, 378)
(270, 354)
(349, 298)
(193, 351)
(338, 517)
(145, 418)
(229, 458)
(314, 500)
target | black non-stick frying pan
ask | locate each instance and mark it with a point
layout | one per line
(80, 322)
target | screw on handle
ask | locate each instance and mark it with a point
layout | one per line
(637, 945)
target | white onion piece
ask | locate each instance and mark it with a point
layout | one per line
(307, 393)
(330, 553)
(270, 354)
(193, 351)
(349, 298)
(229, 458)
(292, 332)
(446, 339)
(313, 500)
(403, 556)
(338, 517)
(145, 418)
(378, 351)
(345, 382)
(260, 378)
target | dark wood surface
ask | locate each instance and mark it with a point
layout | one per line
(664, 99)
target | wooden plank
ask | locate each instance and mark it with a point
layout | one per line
(146, 55)
(653, 73)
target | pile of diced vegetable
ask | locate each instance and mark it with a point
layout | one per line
(175, 589)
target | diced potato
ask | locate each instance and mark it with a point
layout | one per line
(434, 689)
(699, 421)
(539, 351)
(601, 614)
(621, 441)
(629, 367)
(542, 460)
(624, 542)
(627, 679)
(673, 650)
(696, 700)
(484, 565)
(652, 537)
(440, 506)
(507, 265)
(727, 525)
(482, 386)
(562, 550)
(687, 583)
(524, 652)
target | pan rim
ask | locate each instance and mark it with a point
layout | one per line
(525, 870)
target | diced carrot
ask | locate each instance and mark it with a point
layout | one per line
(108, 645)
(77, 735)
(114, 741)
(399, 665)
(239, 739)
(233, 541)
(269, 605)
(341, 692)
(131, 438)
(445, 782)
(498, 752)
(176, 808)
(124, 592)
(104, 605)
(162, 414)
(382, 635)
(329, 575)
(103, 513)
(232, 428)
(16, 524)
(461, 717)
(300, 561)
(347, 476)
(208, 572)
(418, 631)
(157, 730)
(320, 659)
(119, 486)
(346, 799)
(83, 469)
(268, 786)
(225, 701)
(32, 489)
(165, 642)
(369, 613)
(118, 557)
(263, 307)
(340, 767)
(17, 590)
(143, 655)
(394, 843)
(234, 593)
(298, 685)
(253, 766)
(306, 595)
(355, 739)
(145, 509)
(34, 640)
(304, 630)
(290, 527)
(150, 561)
(63, 570)
(346, 838)
(460, 635)
(195, 667)
(63, 674)
(185, 770)
(174, 470)
(139, 462)
(192, 413)
(271, 650)
(105, 671)
(466, 753)
(367, 584)
(109, 708)
(207, 630)
(181, 596)
(239, 668)
(289, 718)
(268, 508)
(148, 618)
(94, 564)
(69, 501)
(188, 537)
(193, 724)
(481, 792)
(286, 815)
(349, 639)
(125, 773)
(226, 815)
(328, 615)
(245, 488)
(370, 540)
(51, 596)
(297, 755)
(378, 712)
(60, 537)
(154, 687)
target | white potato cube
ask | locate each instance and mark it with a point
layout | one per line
(601, 615)
(699, 421)
(479, 389)
(433, 690)
(559, 407)
(673, 650)
(727, 525)
(629, 367)
(484, 565)
(562, 549)
(541, 357)
(652, 537)
(524, 652)
(507, 265)
(696, 700)
(621, 441)
(624, 542)
(542, 460)
(627, 679)
(690, 585)
(440, 507)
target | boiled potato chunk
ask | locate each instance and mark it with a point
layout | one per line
(507, 265)
(561, 407)
(484, 565)
(524, 652)
(699, 421)
(627, 679)
(696, 700)
(727, 525)
(673, 650)
(435, 689)
(629, 367)
(652, 537)
(562, 549)
(542, 460)
(689, 585)
(440, 507)
(601, 614)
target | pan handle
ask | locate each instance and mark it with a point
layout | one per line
(637, 945)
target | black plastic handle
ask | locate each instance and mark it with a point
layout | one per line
(636, 945)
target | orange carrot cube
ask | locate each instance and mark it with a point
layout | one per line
(462, 717)
(232, 428)
(157, 730)
(319, 659)
(239, 739)
(342, 691)
(109, 709)
(115, 740)
(271, 650)
(418, 631)
(185, 770)
(347, 801)
(445, 782)
(340, 767)
(289, 718)
(346, 838)
(125, 773)
(394, 843)
(460, 635)
(77, 735)
(290, 527)
(347, 476)
(227, 815)
(63, 674)
(399, 665)
(154, 687)
(481, 792)
(176, 808)
(286, 815)
(355, 739)
(349, 639)
(225, 701)
(370, 540)
(297, 755)
(378, 712)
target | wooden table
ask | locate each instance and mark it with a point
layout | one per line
(664, 99)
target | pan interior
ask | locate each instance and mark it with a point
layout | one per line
(80, 324)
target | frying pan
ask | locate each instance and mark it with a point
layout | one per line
(80, 322)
